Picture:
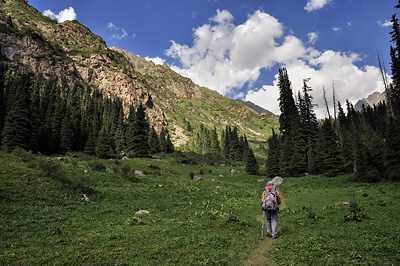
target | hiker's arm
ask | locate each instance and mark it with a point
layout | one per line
(279, 197)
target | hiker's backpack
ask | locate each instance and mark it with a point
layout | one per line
(270, 202)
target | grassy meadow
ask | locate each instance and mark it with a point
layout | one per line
(82, 212)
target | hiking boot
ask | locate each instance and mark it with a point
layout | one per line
(274, 237)
(269, 235)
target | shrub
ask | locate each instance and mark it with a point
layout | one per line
(191, 174)
(97, 166)
(127, 173)
(51, 168)
(26, 156)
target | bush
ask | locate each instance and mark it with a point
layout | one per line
(97, 166)
(127, 173)
(51, 168)
(26, 156)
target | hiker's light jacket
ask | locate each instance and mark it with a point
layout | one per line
(278, 197)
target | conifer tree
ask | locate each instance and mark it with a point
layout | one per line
(309, 125)
(163, 142)
(67, 136)
(273, 156)
(139, 138)
(331, 157)
(215, 149)
(17, 129)
(392, 148)
(252, 166)
(168, 144)
(104, 143)
(154, 143)
(119, 137)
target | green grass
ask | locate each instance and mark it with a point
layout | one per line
(319, 229)
(45, 219)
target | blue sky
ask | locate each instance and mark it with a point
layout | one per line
(236, 47)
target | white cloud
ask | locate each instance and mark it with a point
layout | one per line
(336, 28)
(312, 37)
(316, 4)
(155, 60)
(118, 33)
(387, 23)
(225, 57)
(64, 15)
(324, 69)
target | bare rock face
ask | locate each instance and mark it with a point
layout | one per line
(36, 56)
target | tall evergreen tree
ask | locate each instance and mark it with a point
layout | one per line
(331, 157)
(17, 128)
(139, 138)
(273, 156)
(309, 125)
(252, 166)
(392, 148)
(154, 143)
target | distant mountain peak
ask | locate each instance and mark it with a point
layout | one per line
(256, 108)
(372, 99)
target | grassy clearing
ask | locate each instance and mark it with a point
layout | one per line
(47, 219)
(319, 228)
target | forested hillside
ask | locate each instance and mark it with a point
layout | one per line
(77, 62)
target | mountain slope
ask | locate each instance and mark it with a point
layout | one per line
(69, 53)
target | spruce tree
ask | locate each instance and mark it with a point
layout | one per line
(103, 146)
(252, 166)
(331, 160)
(215, 149)
(139, 140)
(17, 128)
(392, 148)
(273, 156)
(309, 125)
(154, 143)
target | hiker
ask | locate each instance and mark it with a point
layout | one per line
(270, 205)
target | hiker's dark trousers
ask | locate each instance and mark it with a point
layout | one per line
(271, 217)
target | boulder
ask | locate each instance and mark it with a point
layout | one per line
(197, 178)
(277, 180)
(139, 173)
(141, 212)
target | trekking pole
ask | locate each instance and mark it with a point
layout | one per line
(279, 221)
(262, 226)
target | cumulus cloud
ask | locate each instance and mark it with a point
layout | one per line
(155, 60)
(316, 4)
(386, 23)
(118, 33)
(227, 58)
(64, 15)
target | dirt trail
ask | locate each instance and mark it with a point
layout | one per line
(260, 256)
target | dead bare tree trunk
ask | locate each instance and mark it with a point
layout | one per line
(386, 85)
(326, 104)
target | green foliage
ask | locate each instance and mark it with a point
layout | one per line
(97, 166)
